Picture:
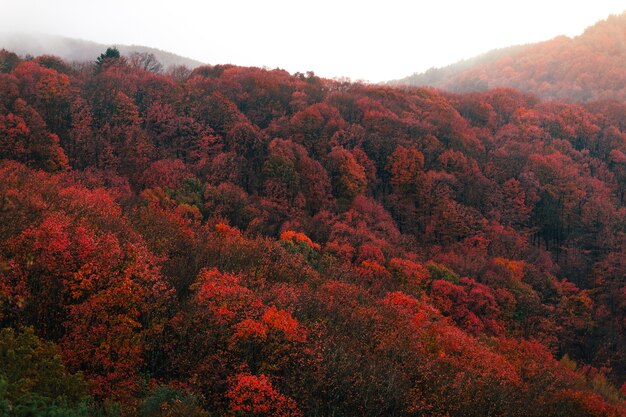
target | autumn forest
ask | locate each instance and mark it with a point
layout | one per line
(237, 241)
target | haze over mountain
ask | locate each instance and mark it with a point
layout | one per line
(71, 49)
(582, 68)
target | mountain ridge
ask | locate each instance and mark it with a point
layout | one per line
(586, 67)
(74, 49)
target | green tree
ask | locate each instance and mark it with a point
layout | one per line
(34, 381)
(165, 401)
(109, 55)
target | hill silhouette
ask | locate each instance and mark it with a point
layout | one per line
(583, 68)
(71, 49)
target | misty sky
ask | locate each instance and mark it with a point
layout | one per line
(369, 40)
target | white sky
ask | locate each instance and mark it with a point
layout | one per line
(369, 40)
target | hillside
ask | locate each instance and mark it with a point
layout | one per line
(244, 242)
(583, 68)
(78, 50)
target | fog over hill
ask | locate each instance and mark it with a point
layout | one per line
(71, 49)
(582, 68)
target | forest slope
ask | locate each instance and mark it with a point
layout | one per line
(248, 242)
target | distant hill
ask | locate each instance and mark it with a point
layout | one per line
(586, 67)
(71, 49)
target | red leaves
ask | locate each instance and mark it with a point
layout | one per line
(315, 126)
(125, 111)
(41, 85)
(225, 329)
(25, 139)
(254, 396)
(99, 307)
(296, 237)
(404, 304)
(413, 276)
(347, 175)
(284, 323)
(221, 298)
(103, 340)
(14, 131)
(117, 309)
(471, 305)
(406, 168)
(249, 331)
(291, 175)
(167, 174)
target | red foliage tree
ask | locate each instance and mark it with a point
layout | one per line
(255, 396)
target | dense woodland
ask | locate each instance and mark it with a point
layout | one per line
(584, 68)
(244, 242)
